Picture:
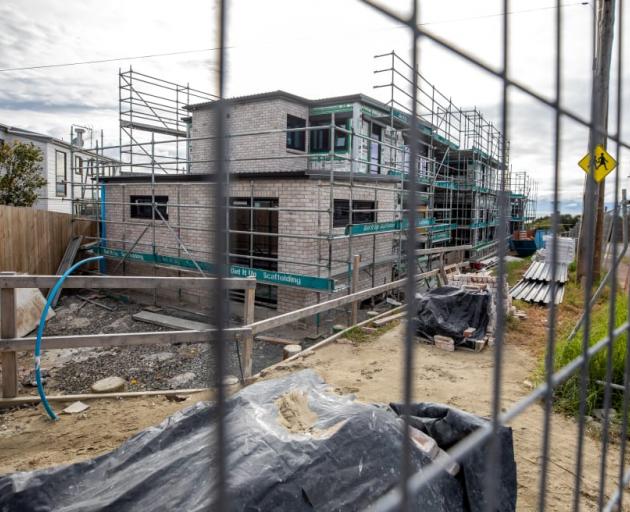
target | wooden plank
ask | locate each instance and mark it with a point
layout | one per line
(111, 282)
(170, 321)
(66, 262)
(119, 339)
(287, 318)
(8, 329)
(276, 341)
(32, 400)
(382, 321)
(248, 339)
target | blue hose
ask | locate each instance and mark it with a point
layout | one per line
(40, 331)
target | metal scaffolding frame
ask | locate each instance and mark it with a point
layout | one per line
(457, 175)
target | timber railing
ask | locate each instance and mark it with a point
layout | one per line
(10, 344)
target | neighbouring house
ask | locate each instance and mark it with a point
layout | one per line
(68, 168)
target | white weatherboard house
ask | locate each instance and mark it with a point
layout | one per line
(57, 167)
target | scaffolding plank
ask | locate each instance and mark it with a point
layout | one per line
(173, 322)
(66, 262)
(152, 128)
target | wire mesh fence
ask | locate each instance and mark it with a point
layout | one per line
(610, 487)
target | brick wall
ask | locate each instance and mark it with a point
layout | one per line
(194, 217)
(265, 152)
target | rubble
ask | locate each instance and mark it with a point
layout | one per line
(108, 385)
(76, 408)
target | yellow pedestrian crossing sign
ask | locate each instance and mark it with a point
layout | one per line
(604, 163)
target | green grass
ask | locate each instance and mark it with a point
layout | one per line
(567, 395)
(516, 269)
(358, 335)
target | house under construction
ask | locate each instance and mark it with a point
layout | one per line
(312, 184)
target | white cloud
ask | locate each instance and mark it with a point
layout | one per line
(315, 48)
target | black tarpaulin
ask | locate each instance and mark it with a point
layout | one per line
(449, 311)
(350, 457)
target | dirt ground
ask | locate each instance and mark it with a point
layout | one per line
(372, 371)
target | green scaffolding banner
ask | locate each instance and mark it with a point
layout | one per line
(263, 276)
(380, 227)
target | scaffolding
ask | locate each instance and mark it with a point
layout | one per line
(154, 208)
(465, 155)
(150, 108)
(523, 201)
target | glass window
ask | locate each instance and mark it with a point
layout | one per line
(60, 174)
(141, 207)
(296, 140)
(341, 216)
(320, 139)
(78, 165)
(376, 132)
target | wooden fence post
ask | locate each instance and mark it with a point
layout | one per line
(8, 329)
(356, 264)
(248, 339)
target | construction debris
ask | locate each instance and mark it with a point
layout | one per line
(291, 350)
(173, 322)
(30, 304)
(76, 408)
(275, 340)
(92, 301)
(108, 385)
(382, 321)
(444, 343)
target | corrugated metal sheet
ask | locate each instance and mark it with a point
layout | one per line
(541, 271)
(536, 291)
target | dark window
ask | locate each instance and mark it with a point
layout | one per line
(60, 174)
(257, 250)
(341, 217)
(376, 132)
(296, 140)
(320, 139)
(141, 207)
(78, 165)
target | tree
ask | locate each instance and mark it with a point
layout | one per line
(20, 173)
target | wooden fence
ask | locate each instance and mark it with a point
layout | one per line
(34, 241)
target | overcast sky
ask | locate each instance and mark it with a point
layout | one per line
(313, 48)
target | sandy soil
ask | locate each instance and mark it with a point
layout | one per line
(371, 371)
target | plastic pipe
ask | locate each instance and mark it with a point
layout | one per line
(40, 332)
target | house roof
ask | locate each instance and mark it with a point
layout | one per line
(22, 132)
(279, 94)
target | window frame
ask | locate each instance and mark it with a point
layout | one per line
(136, 210)
(341, 218)
(293, 138)
(325, 135)
(65, 174)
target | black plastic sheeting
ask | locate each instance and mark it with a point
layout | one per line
(449, 311)
(448, 426)
(170, 466)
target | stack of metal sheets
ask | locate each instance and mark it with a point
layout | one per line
(536, 283)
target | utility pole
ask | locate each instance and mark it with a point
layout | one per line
(605, 21)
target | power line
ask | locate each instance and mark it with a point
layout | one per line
(100, 61)
(203, 50)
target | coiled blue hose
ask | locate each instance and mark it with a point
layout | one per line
(40, 332)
